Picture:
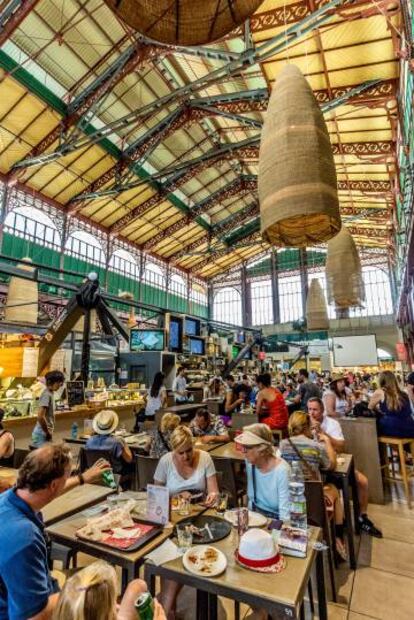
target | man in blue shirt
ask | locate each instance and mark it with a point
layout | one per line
(27, 590)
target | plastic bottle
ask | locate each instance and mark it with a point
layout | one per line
(74, 430)
(297, 499)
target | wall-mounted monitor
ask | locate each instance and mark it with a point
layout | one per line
(175, 335)
(192, 327)
(241, 337)
(196, 346)
(349, 351)
(147, 340)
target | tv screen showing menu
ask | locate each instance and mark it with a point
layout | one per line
(192, 327)
(146, 340)
(197, 346)
(175, 343)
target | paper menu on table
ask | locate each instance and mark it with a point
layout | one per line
(164, 553)
(158, 504)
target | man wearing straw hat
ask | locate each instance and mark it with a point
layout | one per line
(104, 424)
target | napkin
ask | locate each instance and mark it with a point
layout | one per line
(164, 553)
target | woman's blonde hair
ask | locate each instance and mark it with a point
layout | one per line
(263, 432)
(180, 437)
(89, 594)
(394, 397)
(299, 423)
(169, 422)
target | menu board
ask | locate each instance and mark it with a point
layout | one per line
(76, 393)
(30, 362)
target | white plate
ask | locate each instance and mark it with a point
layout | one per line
(203, 568)
(255, 518)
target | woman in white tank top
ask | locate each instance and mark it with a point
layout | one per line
(336, 401)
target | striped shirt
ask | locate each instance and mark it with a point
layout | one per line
(313, 452)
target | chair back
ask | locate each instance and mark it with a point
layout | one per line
(88, 458)
(226, 474)
(315, 504)
(146, 466)
(19, 456)
(239, 420)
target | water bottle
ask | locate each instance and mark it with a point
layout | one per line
(297, 499)
(74, 431)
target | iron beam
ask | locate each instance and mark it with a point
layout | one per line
(11, 16)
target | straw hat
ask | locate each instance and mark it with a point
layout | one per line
(336, 376)
(259, 552)
(105, 422)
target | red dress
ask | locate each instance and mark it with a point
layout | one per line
(274, 413)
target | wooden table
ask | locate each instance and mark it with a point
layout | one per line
(343, 476)
(9, 473)
(228, 451)
(208, 447)
(73, 501)
(281, 594)
(64, 532)
(361, 440)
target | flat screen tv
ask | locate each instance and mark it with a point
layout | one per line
(197, 346)
(146, 340)
(176, 336)
(192, 327)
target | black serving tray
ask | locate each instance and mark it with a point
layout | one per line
(218, 527)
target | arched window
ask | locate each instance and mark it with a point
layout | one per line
(178, 285)
(227, 306)
(290, 295)
(86, 246)
(124, 262)
(262, 308)
(198, 294)
(153, 275)
(31, 223)
(378, 299)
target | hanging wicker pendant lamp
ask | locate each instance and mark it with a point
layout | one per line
(184, 22)
(22, 298)
(343, 272)
(316, 311)
(297, 179)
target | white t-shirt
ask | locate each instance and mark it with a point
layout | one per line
(154, 402)
(179, 385)
(331, 427)
(341, 404)
(167, 474)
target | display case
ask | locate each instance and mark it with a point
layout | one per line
(17, 408)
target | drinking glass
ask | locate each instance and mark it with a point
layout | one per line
(184, 536)
(222, 503)
(184, 506)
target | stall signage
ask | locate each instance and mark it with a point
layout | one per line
(76, 393)
(401, 351)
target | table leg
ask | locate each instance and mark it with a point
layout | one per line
(202, 605)
(320, 582)
(355, 500)
(349, 528)
(212, 606)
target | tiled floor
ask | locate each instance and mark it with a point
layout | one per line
(381, 588)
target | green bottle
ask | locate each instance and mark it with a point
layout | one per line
(108, 478)
(145, 606)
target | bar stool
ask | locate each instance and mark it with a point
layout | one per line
(399, 444)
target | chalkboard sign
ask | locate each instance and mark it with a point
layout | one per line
(76, 393)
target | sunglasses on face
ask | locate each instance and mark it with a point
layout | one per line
(245, 449)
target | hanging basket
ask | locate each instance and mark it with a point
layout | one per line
(22, 298)
(343, 272)
(184, 22)
(316, 311)
(297, 179)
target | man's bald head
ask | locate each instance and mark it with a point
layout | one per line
(43, 466)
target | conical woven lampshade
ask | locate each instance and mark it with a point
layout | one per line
(132, 319)
(22, 299)
(184, 22)
(297, 179)
(343, 272)
(316, 311)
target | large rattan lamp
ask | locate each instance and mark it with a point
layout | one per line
(316, 311)
(184, 22)
(297, 179)
(22, 298)
(343, 272)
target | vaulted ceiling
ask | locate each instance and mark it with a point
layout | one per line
(159, 144)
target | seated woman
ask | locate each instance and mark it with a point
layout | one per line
(104, 424)
(6, 444)
(184, 471)
(267, 474)
(270, 404)
(161, 438)
(314, 456)
(395, 409)
(157, 397)
(92, 593)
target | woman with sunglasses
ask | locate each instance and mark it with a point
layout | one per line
(267, 474)
(184, 471)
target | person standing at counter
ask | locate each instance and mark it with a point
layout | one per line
(6, 444)
(180, 386)
(43, 431)
(157, 397)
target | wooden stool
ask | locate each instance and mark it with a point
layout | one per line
(398, 444)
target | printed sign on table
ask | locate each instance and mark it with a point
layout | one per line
(158, 504)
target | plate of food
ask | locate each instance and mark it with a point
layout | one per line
(255, 518)
(205, 560)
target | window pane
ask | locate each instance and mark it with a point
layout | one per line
(227, 306)
(262, 310)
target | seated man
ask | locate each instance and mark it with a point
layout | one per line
(27, 590)
(104, 424)
(209, 427)
(331, 427)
